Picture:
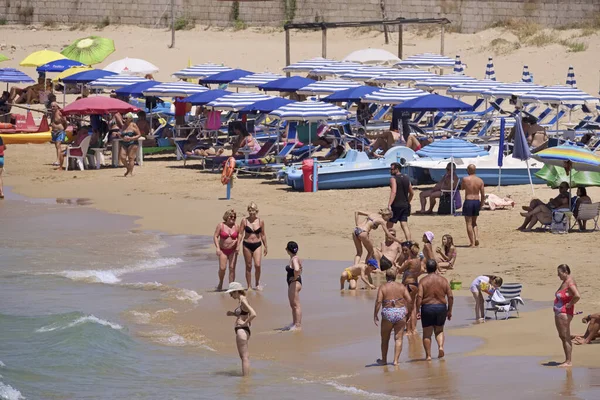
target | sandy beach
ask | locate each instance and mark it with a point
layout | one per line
(167, 197)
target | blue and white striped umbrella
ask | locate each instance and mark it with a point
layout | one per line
(526, 75)
(237, 101)
(559, 95)
(366, 73)
(201, 71)
(489, 70)
(443, 82)
(459, 67)
(327, 86)
(571, 77)
(404, 75)
(309, 65)
(427, 60)
(393, 95)
(310, 111)
(255, 80)
(474, 88)
(175, 89)
(506, 90)
(337, 69)
(116, 81)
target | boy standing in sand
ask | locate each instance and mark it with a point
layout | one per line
(474, 198)
(433, 308)
(362, 270)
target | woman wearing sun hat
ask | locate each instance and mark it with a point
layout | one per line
(130, 133)
(244, 314)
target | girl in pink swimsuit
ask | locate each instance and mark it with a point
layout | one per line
(226, 242)
(564, 307)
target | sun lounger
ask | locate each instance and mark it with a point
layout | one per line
(506, 299)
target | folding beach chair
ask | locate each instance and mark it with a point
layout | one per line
(588, 212)
(505, 300)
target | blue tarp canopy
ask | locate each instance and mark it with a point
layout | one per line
(136, 89)
(201, 99)
(287, 84)
(226, 76)
(87, 76)
(433, 102)
(266, 106)
(58, 65)
(352, 94)
(447, 148)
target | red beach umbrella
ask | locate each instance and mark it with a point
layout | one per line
(98, 105)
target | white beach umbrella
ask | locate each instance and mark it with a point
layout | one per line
(526, 77)
(201, 71)
(255, 80)
(571, 81)
(372, 56)
(132, 66)
(473, 88)
(327, 86)
(175, 89)
(427, 60)
(559, 94)
(489, 70)
(404, 75)
(336, 69)
(443, 82)
(393, 95)
(367, 73)
(310, 111)
(309, 65)
(459, 67)
(237, 101)
(116, 81)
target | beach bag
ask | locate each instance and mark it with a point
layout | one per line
(559, 222)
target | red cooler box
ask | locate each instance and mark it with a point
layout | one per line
(307, 175)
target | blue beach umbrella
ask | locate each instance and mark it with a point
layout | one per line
(450, 148)
(290, 84)
(404, 75)
(227, 76)
(443, 82)
(87, 76)
(201, 71)
(526, 77)
(489, 70)
(521, 147)
(367, 73)
(459, 67)
(136, 89)
(203, 98)
(58, 65)
(266, 106)
(327, 87)
(472, 88)
(116, 81)
(505, 90)
(350, 95)
(11, 75)
(393, 95)
(571, 77)
(309, 65)
(427, 60)
(338, 69)
(310, 111)
(174, 89)
(237, 101)
(255, 80)
(501, 149)
(433, 102)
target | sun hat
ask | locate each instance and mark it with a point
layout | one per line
(129, 115)
(234, 287)
(429, 236)
(372, 263)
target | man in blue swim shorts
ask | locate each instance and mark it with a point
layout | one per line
(58, 124)
(474, 198)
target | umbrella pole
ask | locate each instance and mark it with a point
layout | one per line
(529, 174)
(452, 185)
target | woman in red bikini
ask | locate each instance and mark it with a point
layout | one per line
(564, 307)
(226, 242)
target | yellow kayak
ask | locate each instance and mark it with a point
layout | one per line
(22, 138)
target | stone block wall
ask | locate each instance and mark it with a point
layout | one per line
(466, 15)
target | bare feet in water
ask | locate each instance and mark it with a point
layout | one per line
(565, 365)
(441, 353)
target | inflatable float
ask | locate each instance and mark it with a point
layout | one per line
(26, 131)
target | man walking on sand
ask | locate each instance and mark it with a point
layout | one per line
(401, 195)
(474, 198)
(434, 305)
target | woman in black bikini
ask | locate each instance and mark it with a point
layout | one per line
(360, 234)
(252, 237)
(410, 270)
(244, 314)
(130, 135)
(294, 281)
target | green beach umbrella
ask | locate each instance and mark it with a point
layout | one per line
(3, 58)
(90, 50)
(554, 175)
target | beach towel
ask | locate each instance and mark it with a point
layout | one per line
(495, 202)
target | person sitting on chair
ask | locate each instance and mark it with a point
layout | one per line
(542, 212)
(449, 181)
(582, 198)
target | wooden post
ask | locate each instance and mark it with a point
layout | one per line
(442, 39)
(323, 42)
(400, 40)
(287, 50)
(172, 24)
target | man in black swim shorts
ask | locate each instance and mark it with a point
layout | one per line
(474, 198)
(401, 195)
(434, 305)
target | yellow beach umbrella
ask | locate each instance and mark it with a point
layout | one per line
(40, 58)
(71, 71)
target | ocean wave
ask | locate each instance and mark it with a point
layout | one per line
(353, 390)
(188, 295)
(79, 321)
(113, 276)
(144, 318)
(169, 338)
(2, 364)
(8, 392)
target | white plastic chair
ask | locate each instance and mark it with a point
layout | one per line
(79, 153)
(588, 212)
